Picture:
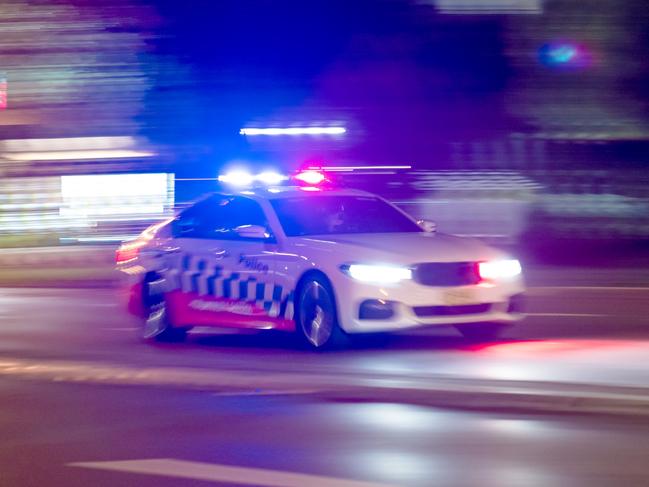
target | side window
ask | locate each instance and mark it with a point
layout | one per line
(189, 224)
(218, 217)
(244, 211)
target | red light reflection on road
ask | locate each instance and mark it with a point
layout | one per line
(549, 347)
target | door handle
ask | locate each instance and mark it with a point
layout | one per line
(170, 250)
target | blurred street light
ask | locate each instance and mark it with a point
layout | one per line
(294, 131)
(565, 55)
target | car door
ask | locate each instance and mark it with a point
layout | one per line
(225, 275)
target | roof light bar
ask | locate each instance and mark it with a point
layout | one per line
(293, 131)
(243, 178)
(310, 177)
(237, 178)
(271, 177)
(240, 177)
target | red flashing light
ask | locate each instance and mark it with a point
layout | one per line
(311, 177)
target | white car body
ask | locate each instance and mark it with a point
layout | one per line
(252, 283)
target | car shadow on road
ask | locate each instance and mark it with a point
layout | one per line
(440, 340)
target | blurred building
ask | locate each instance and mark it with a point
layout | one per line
(74, 79)
(580, 80)
(534, 109)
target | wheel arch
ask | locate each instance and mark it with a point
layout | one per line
(309, 274)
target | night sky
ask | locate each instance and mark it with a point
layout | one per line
(399, 71)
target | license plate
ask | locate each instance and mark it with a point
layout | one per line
(458, 297)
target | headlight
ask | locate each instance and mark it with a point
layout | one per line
(499, 269)
(380, 274)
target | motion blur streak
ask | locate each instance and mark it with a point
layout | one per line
(488, 6)
(73, 155)
(73, 148)
(359, 168)
(68, 143)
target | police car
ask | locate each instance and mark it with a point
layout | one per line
(318, 261)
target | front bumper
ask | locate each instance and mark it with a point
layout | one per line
(411, 305)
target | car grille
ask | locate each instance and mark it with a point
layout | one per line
(446, 274)
(469, 309)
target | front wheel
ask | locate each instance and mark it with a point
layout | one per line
(316, 317)
(156, 325)
(482, 332)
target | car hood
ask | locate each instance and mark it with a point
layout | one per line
(398, 248)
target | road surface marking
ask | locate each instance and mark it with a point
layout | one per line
(185, 377)
(170, 467)
(569, 315)
(585, 288)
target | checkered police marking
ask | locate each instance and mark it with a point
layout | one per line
(209, 279)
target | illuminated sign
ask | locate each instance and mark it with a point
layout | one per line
(116, 196)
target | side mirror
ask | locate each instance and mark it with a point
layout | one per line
(252, 231)
(427, 226)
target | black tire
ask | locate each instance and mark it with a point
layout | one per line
(156, 323)
(482, 332)
(316, 316)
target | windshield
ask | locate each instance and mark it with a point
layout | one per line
(327, 215)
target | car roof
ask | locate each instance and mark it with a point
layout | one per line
(281, 192)
(275, 193)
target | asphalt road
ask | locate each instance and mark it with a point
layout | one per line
(61, 433)
(75, 435)
(570, 331)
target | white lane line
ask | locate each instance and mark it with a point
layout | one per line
(585, 288)
(569, 315)
(231, 381)
(170, 467)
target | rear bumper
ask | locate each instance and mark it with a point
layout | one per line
(130, 292)
(134, 301)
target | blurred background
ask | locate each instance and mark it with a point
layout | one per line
(524, 121)
(521, 122)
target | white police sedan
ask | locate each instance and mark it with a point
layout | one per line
(319, 262)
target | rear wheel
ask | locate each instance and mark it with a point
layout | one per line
(316, 317)
(482, 332)
(156, 325)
